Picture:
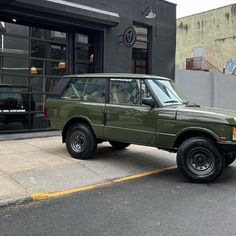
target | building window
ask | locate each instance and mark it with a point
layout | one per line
(140, 51)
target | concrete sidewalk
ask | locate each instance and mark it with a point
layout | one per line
(42, 165)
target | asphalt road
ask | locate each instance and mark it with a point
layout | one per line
(161, 204)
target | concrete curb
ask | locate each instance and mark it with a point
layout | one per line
(29, 135)
(14, 201)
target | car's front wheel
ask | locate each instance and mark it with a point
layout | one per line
(199, 160)
(80, 141)
(119, 145)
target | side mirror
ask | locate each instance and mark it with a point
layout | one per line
(149, 102)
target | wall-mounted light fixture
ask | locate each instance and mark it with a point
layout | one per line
(61, 64)
(149, 14)
(33, 70)
(14, 20)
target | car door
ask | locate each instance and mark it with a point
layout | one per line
(127, 120)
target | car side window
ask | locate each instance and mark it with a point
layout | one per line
(145, 93)
(87, 90)
(125, 91)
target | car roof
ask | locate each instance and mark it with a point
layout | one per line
(115, 75)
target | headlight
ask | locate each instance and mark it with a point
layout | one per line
(234, 134)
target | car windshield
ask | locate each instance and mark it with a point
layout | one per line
(166, 92)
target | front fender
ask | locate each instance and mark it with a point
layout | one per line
(197, 130)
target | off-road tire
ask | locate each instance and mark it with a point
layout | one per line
(80, 141)
(119, 145)
(199, 160)
(230, 158)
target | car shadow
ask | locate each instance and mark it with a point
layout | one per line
(228, 176)
(105, 152)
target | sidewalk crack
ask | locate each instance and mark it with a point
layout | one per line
(10, 178)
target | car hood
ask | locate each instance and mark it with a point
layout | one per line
(206, 114)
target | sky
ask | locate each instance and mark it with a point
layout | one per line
(190, 7)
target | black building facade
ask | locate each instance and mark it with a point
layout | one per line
(40, 41)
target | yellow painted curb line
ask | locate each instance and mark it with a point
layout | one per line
(41, 196)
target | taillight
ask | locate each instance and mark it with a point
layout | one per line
(45, 112)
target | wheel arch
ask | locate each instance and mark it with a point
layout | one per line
(72, 121)
(195, 132)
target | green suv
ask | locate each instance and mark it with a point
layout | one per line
(126, 109)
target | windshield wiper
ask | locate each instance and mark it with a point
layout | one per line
(188, 104)
(171, 101)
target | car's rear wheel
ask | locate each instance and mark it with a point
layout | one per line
(80, 141)
(230, 158)
(199, 160)
(119, 145)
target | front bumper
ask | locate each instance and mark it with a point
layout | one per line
(227, 147)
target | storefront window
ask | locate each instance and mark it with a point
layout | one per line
(32, 60)
(48, 58)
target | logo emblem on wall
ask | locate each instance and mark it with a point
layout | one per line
(129, 37)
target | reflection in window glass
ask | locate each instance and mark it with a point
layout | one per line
(10, 28)
(19, 80)
(14, 45)
(82, 38)
(145, 93)
(85, 55)
(124, 91)
(14, 52)
(48, 50)
(47, 34)
(84, 68)
(14, 66)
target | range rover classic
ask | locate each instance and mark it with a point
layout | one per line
(126, 109)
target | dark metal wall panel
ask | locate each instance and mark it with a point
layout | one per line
(165, 41)
(76, 11)
(117, 57)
